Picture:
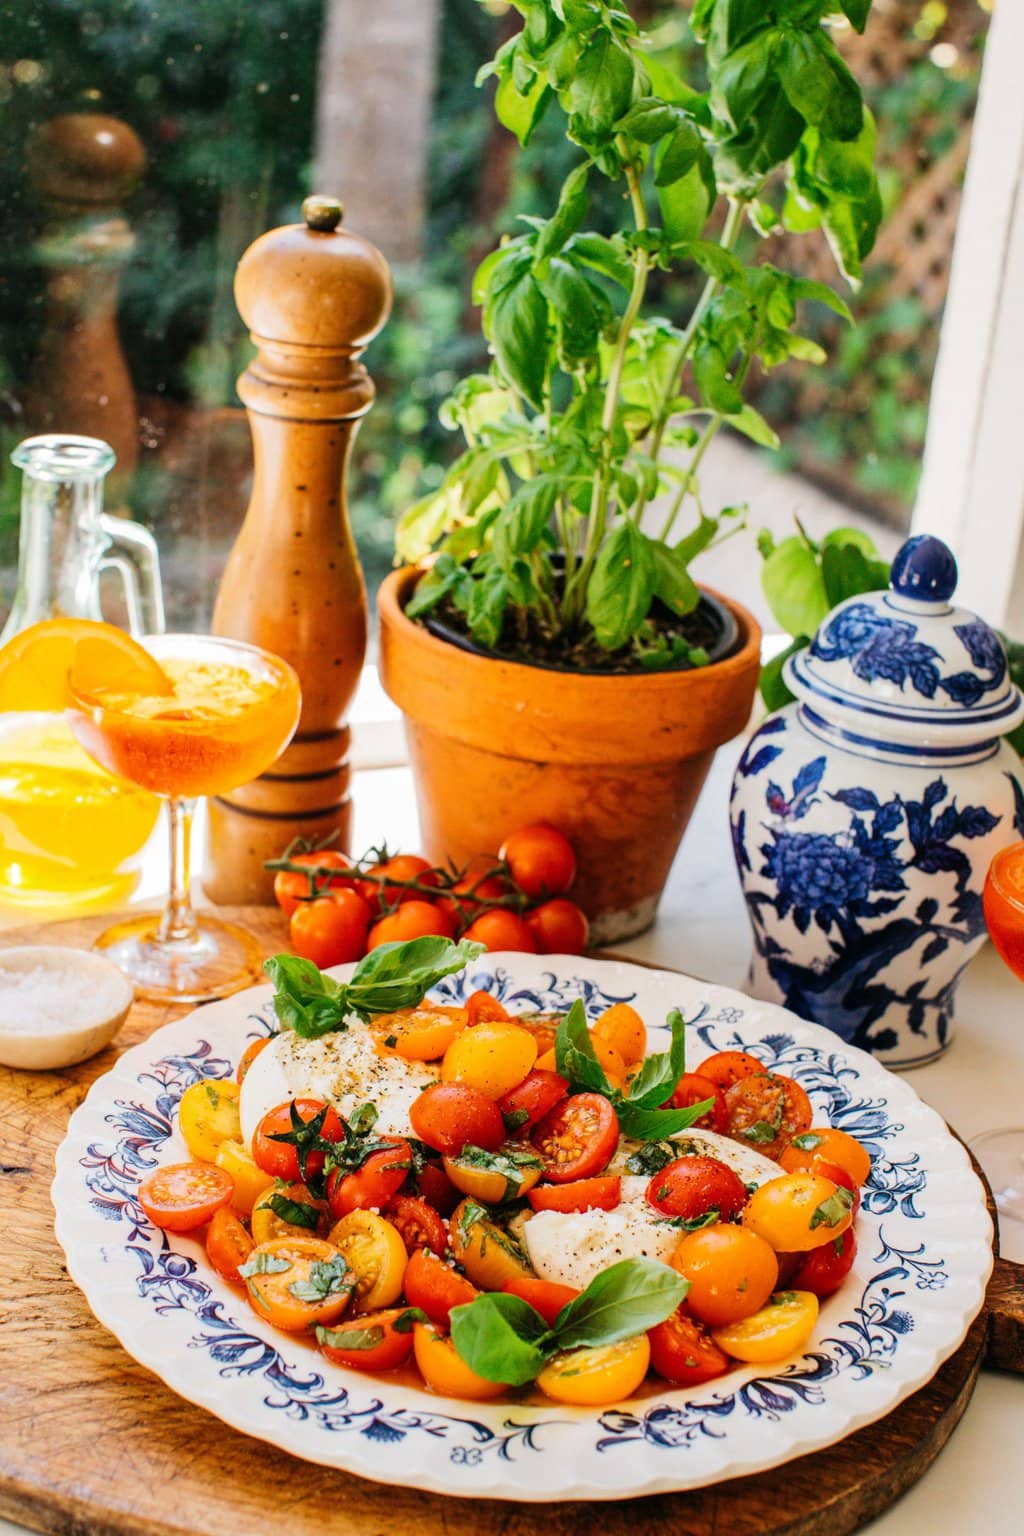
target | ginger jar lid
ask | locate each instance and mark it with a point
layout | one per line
(907, 665)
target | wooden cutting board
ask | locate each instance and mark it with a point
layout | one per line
(92, 1442)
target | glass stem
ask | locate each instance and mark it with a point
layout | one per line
(178, 925)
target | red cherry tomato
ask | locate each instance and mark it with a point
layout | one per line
(414, 919)
(291, 889)
(692, 1186)
(437, 1189)
(577, 1138)
(482, 1007)
(600, 1194)
(766, 1111)
(370, 1187)
(693, 1088)
(824, 1269)
(419, 1225)
(182, 1196)
(529, 1101)
(540, 859)
(476, 882)
(545, 1296)
(281, 1158)
(727, 1067)
(435, 1287)
(249, 1055)
(559, 927)
(450, 1116)
(370, 1342)
(331, 930)
(228, 1244)
(501, 928)
(404, 866)
(684, 1352)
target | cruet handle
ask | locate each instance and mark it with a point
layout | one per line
(133, 553)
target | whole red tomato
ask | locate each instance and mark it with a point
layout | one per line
(404, 866)
(501, 928)
(330, 930)
(478, 879)
(540, 859)
(292, 888)
(559, 927)
(416, 919)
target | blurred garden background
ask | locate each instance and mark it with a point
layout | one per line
(242, 110)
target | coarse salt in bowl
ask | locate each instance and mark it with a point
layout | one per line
(58, 1006)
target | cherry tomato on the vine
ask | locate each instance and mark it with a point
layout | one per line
(291, 888)
(501, 928)
(404, 866)
(559, 927)
(414, 919)
(577, 1138)
(476, 884)
(540, 859)
(330, 930)
(281, 1158)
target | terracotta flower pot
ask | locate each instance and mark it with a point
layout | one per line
(616, 762)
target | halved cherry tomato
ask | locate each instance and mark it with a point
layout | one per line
(825, 1143)
(286, 1210)
(481, 1005)
(493, 1177)
(292, 888)
(683, 1352)
(330, 930)
(544, 1296)
(542, 1027)
(559, 927)
(418, 1224)
(415, 919)
(435, 1287)
(449, 1116)
(778, 1329)
(798, 1211)
(207, 1115)
(767, 1111)
(249, 1180)
(690, 1187)
(374, 1251)
(182, 1196)
(824, 1269)
(577, 1138)
(727, 1067)
(601, 1194)
(540, 859)
(693, 1088)
(491, 1057)
(477, 881)
(731, 1271)
(436, 1187)
(623, 1028)
(291, 1265)
(610, 1060)
(488, 1254)
(370, 1187)
(529, 1101)
(592, 1378)
(370, 1342)
(228, 1244)
(444, 1371)
(281, 1158)
(249, 1055)
(423, 1033)
(499, 928)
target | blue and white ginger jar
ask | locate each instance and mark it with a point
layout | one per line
(864, 815)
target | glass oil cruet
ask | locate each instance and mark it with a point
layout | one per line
(70, 834)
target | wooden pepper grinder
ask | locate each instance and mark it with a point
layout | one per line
(82, 166)
(313, 296)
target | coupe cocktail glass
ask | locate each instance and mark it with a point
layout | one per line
(231, 711)
(1001, 1152)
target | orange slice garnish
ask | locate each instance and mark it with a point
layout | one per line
(35, 664)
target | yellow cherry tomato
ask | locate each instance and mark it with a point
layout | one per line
(798, 1211)
(491, 1057)
(780, 1328)
(623, 1028)
(374, 1249)
(208, 1114)
(592, 1378)
(495, 1176)
(421, 1034)
(826, 1144)
(444, 1371)
(250, 1180)
(490, 1257)
(269, 1223)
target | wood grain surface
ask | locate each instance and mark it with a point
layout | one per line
(93, 1443)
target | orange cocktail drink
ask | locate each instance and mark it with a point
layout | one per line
(1003, 901)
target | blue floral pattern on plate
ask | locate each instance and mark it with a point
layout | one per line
(148, 1287)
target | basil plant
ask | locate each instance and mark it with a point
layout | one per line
(593, 408)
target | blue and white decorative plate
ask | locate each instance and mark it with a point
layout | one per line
(919, 1280)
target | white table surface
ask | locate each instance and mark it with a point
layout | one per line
(978, 1085)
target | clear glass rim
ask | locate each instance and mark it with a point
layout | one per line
(60, 456)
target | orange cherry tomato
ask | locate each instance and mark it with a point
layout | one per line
(287, 1265)
(693, 1088)
(291, 889)
(621, 1027)
(731, 1271)
(577, 1138)
(419, 1224)
(481, 1006)
(823, 1143)
(228, 1244)
(331, 930)
(683, 1352)
(182, 1196)
(249, 1055)
(600, 1194)
(767, 1111)
(798, 1211)
(449, 1116)
(423, 1033)
(540, 859)
(727, 1067)
(414, 919)
(444, 1371)
(435, 1287)
(368, 1343)
(281, 1158)
(545, 1296)
(501, 929)
(781, 1327)
(559, 927)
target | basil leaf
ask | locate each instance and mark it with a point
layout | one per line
(655, 1124)
(792, 583)
(264, 1264)
(305, 1000)
(673, 583)
(807, 1141)
(602, 85)
(568, 216)
(405, 1321)
(621, 586)
(294, 1212)
(676, 155)
(500, 1337)
(619, 1303)
(574, 1053)
(521, 111)
(831, 1211)
(327, 1277)
(516, 322)
(652, 1158)
(660, 1073)
(773, 687)
(353, 1338)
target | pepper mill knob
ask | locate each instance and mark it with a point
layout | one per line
(313, 296)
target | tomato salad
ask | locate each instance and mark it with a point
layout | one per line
(564, 1211)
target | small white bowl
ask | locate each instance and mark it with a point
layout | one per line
(98, 999)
